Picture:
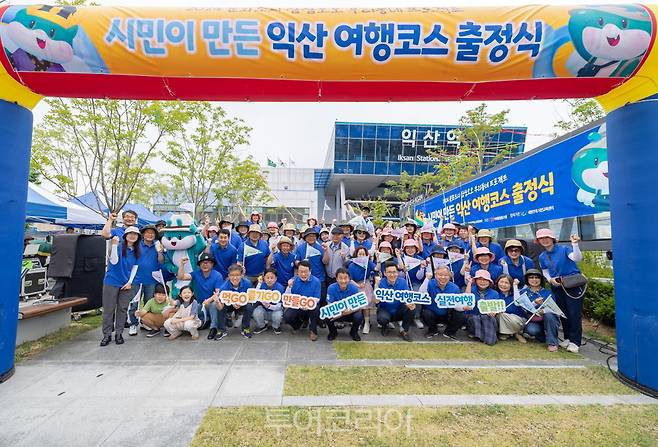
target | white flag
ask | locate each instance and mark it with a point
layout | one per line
(361, 261)
(326, 207)
(383, 257)
(438, 262)
(524, 302)
(454, 257)
(137, 295)
(312, 251)
(250, 251)
(358, 220)
(411, 262)
(157, 275)
(551, 306)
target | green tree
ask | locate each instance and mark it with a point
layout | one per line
(203, 155)
(582, 112)
(103, 146)
(243, 185)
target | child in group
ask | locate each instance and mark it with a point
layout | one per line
(483, 327)
(269, 311)
(186, 317)
(362, 271)
(543, 325)
(512, 321)
(151, 314)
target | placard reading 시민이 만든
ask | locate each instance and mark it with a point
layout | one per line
(349, 304)
(404, 296)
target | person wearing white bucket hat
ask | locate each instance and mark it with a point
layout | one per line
(484, 238)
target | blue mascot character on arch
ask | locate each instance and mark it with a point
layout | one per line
(589, 171)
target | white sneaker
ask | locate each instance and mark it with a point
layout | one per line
(237, 322)
(565, 343)
(573, 348)
(392, 325)
(366, 327)
(132, 330)
(419, 324)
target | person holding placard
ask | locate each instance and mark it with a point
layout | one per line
(362, 271)
(307, 285)
(432, 314)
(413, 265)
(543, 325)
(394, 311)
(558, 262)
(252, 254)
(482, 326)
(512, 321)
(283, 261)
(224, 253)
(340, 290)
(483, 259)
(269, 311)
(514, 263)
(220, 312)
(205, 282)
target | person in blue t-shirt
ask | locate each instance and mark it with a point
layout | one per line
(427, 234)
(311, 250)
(205, 282)
(556, 262)
(514, 263)
(544, 325)
(432, 315)
(252, 254)
(449, 236)
(483, 259)
(456, 256)
(129, 218)
(415, 274)
(394, 311)
(264, 311)
(340, 290)
(512, 321)
(361, 238)
(304, 284)
(118, 288)
(484, 238)
(224, 253)
(283, 260)
(220, 312)
(482, 326)
(150, 260)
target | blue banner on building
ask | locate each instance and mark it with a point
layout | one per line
(566, 179)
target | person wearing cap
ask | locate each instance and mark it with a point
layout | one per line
(427, 234)
(395, 310)
(325, 235)
(449, 235)
(362, 272)
(213, 231)
(514, 263)
(411, 226)
(348, 229)
(159, 225)
(335, 254)
(483, 259)
(433, 314)
(253, 253)
(512, 321)
(151, 259)
(283, 260)
(273, 235)
(290, 231)
(557, 261)
(312, 222)
(224, 253)
(312, 251)
(544, 325)
(242, 230)
(413, 264)
(342, 289)
(118, 283)
(387, 235)
(304, 284)
(482, 326)
(264, 311)
(255, 218)
(365, 213)
(384, 253)
(205, 282)
(361, 239)
(456, 257)
(484, 238)
(220, 312)
(129, 218)
(435, 259)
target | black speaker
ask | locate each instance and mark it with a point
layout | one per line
(78, 264)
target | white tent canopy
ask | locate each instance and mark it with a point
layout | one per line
(44, 206)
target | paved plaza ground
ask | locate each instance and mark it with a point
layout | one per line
(155, 392)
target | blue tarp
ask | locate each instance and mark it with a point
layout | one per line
(144, 215)
(39, 207)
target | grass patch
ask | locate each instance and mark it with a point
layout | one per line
(507, 350)
(601, 426)
(30, 349)
(326, 380)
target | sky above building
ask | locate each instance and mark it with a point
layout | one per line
(301, 131)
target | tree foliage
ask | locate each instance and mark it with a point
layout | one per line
(103, 146)
(583, 111)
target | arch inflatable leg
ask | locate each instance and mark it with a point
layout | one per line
(633, 158)
(15, 145)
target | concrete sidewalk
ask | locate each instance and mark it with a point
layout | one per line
(154, 392)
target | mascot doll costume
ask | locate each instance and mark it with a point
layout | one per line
(181, 239)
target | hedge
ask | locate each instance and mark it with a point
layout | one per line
(600, 302)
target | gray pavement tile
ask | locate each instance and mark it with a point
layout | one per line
(246, 401)
(592, 399)
(453, 400)
(384, 400)
(316, 401)
(270, 351)
(129, 381)
(198, 380)
(253, 380)
(69, 380)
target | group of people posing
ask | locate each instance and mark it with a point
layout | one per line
(333, 263)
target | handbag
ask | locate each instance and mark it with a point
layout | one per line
(570, 282)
